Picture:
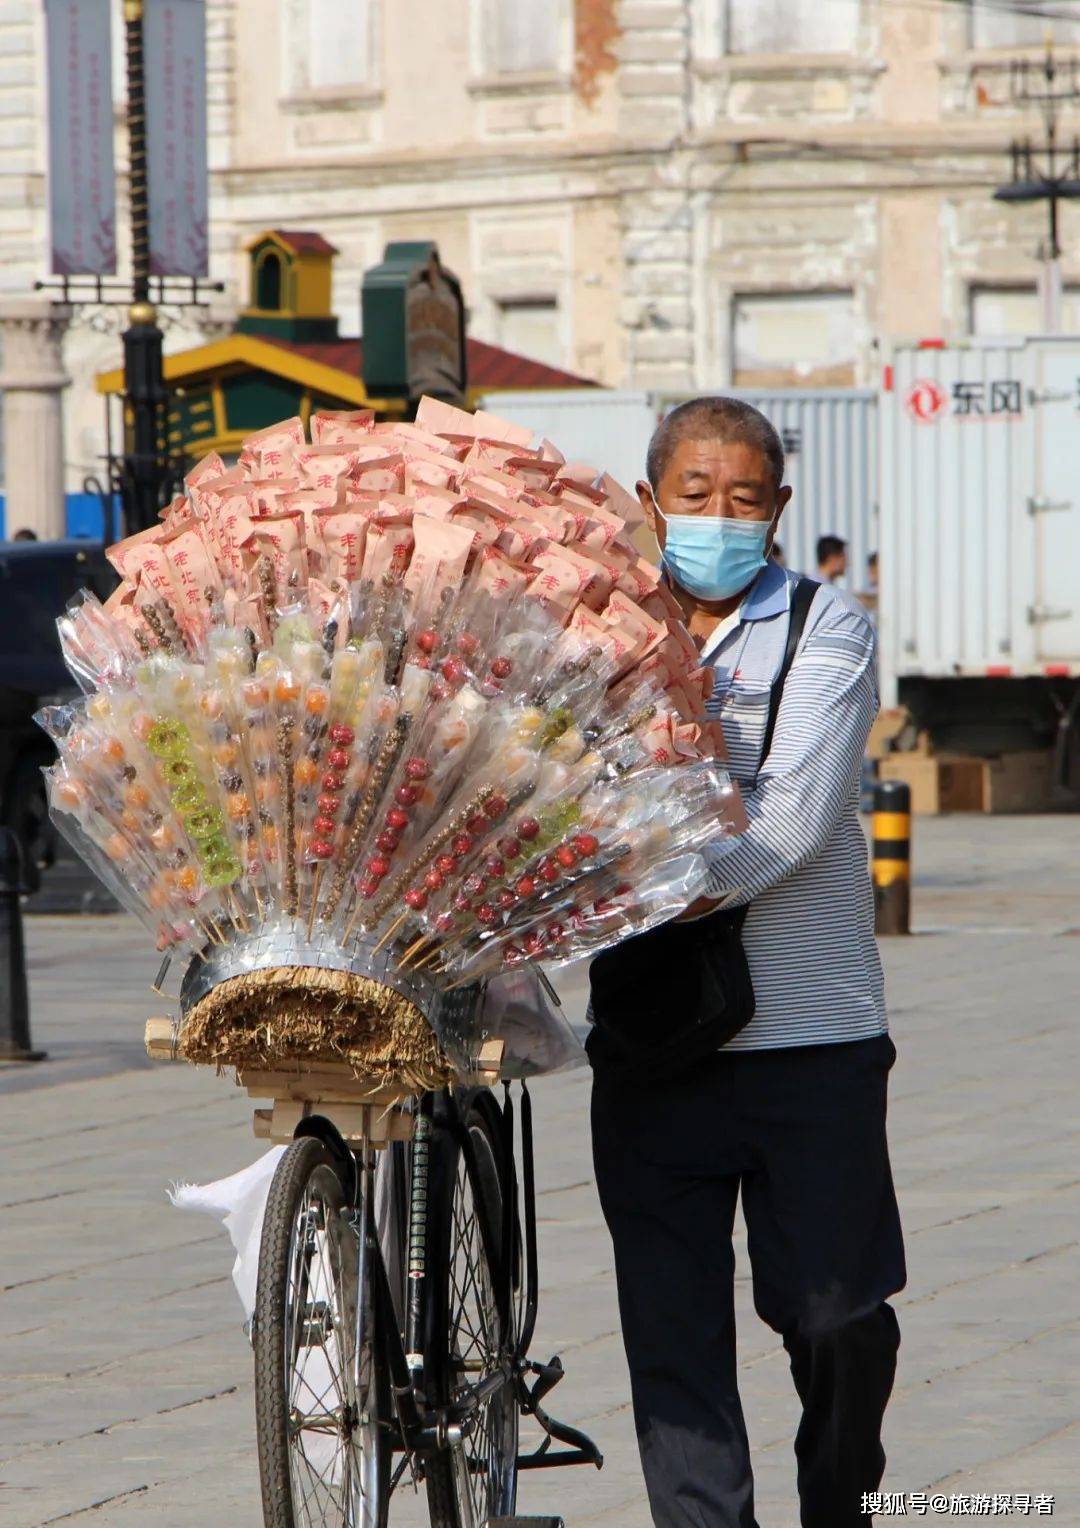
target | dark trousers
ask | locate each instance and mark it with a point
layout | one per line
(801, 1132)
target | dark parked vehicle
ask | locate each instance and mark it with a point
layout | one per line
(37, 579)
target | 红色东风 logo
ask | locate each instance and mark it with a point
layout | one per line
(926, 401)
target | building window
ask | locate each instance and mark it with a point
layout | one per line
(793, 339)
(530, 326)
(328, 44)
(1023, 23)
(792, 26)
(522, 36)
(1000, 311)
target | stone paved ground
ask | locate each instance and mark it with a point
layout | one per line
(126, 1392)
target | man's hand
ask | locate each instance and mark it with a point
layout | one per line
(699, 908)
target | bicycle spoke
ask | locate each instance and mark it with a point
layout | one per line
(484, 1457)
(326, 1385)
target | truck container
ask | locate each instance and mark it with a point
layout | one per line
(980, 540)
(980, 512)
(830, 445)
(962, 468)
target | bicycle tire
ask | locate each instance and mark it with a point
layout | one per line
(451, 1502)
(307, 1184)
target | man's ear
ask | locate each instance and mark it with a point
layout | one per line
(648, 505)
(783, 498)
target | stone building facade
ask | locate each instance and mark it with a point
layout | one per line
(677, 194)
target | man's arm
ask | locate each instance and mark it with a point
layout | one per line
(830, 700)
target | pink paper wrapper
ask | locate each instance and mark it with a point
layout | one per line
(387, 548)
(520, 538)
(560, 581)
(601, 528)
(426, 470)
(500, 577)
(322, 466)
(485, 522)
(334, 427)
(561, 525)
(266, 494)
(141, 560)
(600, 580)
(211, 466)
(631, 618)
(247, 611)
(178, 513)
(325, 600)
(343, 535)
(194, 575)
(622, 503)
(269, 450)
(611, 639)
(440, 553)
(482, 480)
(444, 419)
(397, 435)
(384, 475)
(656, 737)
(579, 474)
(122, 607)
(533, 471)
(281, 538)
(231, 515)
(440, 503)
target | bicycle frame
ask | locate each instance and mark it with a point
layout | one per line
(421, 1427)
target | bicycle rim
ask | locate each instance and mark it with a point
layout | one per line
(479, 1474)
(320, 1450)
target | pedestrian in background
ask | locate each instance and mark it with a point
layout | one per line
(831, 558)
(790, 1112)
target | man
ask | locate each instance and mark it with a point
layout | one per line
(831, 558)
(872, 573)
(791, 1112)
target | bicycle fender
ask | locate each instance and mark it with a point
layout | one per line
(327, 1132)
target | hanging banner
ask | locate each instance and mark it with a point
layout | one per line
(82, 191)
(174, 53)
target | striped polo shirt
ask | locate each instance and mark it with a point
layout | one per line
(802, 861)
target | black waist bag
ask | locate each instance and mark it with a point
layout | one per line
(664, 1000)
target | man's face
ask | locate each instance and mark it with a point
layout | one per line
(715, 478)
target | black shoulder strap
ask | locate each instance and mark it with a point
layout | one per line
(802, 597)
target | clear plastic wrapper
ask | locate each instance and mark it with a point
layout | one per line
(406, 689)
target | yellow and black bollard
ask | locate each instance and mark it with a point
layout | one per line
(890, 862)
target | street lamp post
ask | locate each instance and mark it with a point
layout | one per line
(1055, 182)
(144, 381)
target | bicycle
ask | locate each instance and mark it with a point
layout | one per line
(396, 1305)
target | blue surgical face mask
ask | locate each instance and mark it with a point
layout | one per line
(713, 558)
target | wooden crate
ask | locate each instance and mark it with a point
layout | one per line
(1012, 782)
(938, 782)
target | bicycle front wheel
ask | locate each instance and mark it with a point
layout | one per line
(476, 1479)
(321, 1388)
